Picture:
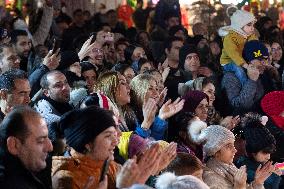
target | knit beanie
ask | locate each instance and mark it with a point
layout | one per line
(273, 105)
(183, 52)
(215, 138)
(254, 49)
(239, 19)
(257, 136)
(170, 180)
(67, 59)
(82, 126)
(192, 100)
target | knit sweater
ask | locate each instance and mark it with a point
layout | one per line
(233, 45)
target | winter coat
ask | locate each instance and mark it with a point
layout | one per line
(74, 171)
(233, 48)
(219, 175)
(13, 174)
(242, 98)
(271, 182)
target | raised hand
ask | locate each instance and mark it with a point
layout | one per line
(149, 162)
(51, 60)
(263, 172)
(162, 97)
(86, 48)
(230, 122)
(149, 112)
(129, 174)
(169, 109)
(167, 156)
(205, 71)
(240, 178)
(253, 73)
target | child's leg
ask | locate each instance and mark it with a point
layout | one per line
(238, 71)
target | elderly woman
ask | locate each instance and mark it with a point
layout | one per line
(92, 140)
(144, 106)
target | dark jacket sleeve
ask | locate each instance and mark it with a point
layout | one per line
(35, 77)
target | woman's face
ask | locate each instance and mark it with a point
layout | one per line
(129, 74)
(209, 89)
(152, 91)
(276, 51)
(90, 78)
(159, 81)
(192, 62)
(202, 110)
(122, 94)
(226, 154)
(138, 53)
(145, 67)
(103, 145)
(215, 49)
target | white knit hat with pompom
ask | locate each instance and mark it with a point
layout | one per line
(171, 181)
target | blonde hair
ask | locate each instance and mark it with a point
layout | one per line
(107, 84)
(139, 87)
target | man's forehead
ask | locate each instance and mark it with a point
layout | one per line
(56, 77)
(22, 38)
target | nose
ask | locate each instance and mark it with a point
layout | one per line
(49, 147)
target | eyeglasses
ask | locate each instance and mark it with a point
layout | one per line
(96, 50)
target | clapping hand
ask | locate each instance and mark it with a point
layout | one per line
(169, 109)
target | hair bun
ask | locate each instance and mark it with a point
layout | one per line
(231, 10)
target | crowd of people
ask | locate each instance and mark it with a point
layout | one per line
(86, 102)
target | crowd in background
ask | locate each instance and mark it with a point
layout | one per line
(114, 101)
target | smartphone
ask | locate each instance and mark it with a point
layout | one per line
(104, 169)
(109, 37)
(56, 45)
(280, 166)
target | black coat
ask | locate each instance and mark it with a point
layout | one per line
(13, 175)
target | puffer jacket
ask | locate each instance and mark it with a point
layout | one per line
(74, 171)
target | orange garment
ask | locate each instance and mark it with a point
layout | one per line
(73, 172)
(125, 14)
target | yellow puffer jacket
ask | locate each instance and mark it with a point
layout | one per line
(233, 45)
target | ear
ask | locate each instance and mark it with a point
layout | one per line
(166, 51)
(3, 94)
(45, 92)
(13, 145)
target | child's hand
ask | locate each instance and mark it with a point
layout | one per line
(245, 65)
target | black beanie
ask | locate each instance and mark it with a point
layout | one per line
(82, 126)
(67, 59)
(183, 52)
(258, 137)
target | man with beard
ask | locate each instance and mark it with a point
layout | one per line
(55, 99)
(8, 58)
(22, 45)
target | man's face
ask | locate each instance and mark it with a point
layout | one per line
(20, 95)
(34, 149)
(173, 21)
(58, 89)
(259, 64)
(173, 53)
(23, 46)
(120, 52)
(10, 60)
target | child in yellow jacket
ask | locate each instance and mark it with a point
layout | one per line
(235, 36)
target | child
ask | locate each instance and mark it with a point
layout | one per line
(260, 143)
(235, 36)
